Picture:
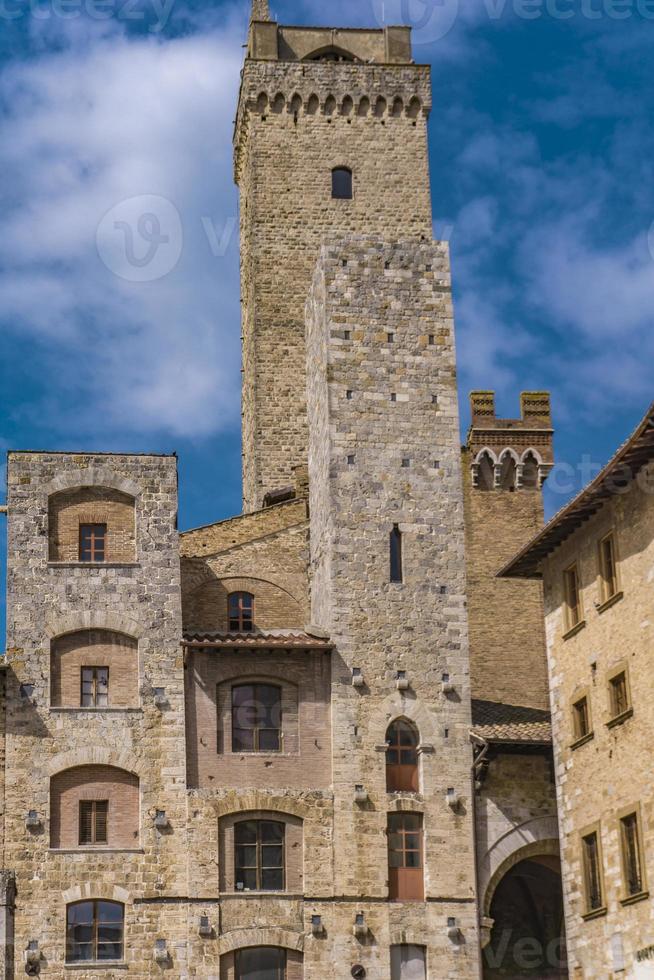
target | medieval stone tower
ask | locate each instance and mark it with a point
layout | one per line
(313, 102)
(310, 740)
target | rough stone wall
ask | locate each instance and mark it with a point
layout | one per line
(296, 122)
(375, 461)
(47, 600)
(95, 505)
(612, 771)
(94, 648)
(305, 759)
(507, 636)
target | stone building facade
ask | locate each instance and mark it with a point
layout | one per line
(596, 561)
(312, 739)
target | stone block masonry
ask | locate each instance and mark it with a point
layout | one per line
(384, 452)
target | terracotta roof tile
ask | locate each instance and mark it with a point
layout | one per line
(511, 723)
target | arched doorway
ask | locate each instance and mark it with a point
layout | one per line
(528, 933)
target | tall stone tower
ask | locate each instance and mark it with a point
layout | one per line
(314, 101)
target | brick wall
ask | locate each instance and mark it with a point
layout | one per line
(304, 678)
(94, 648)
(91, 505)
(206, 607)
(120, 788)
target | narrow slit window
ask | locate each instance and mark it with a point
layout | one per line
(342, 185)
(632, 855)
(572, 597)
(92, 542)
(396, 555)
(592, 872)
(581, 715)
(608, 569)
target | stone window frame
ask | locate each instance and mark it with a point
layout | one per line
(632, 811)
(572, 625)
(616, 717)
(290, 732)
(592, 830)
(580, 738)
(293, 851)
(607, 598)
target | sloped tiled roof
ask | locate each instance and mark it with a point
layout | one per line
(510, 723)
(280, 639)
(631, 457)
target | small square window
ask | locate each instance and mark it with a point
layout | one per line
(432, 339)
(393, 397)
(406, 463)
(347, 335)
(348, 395)
(390, 337)
(351, 460)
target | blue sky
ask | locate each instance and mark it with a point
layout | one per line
(542, 154)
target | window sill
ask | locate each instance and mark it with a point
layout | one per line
(96, 850)
(582, 741)
(57, 709)
(610, 602)
(595, 914)
(574, 630)
(98, 965)
(291, 896)
(94, 564)
(620, 719)
(634, 899)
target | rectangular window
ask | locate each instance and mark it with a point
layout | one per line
(95, 687)
(92, 542)
(592, 872)
(405, 857)
(581, 717)
(259, 855)
(94, 932)
(608, 568)
(256, 718)
(572, 597)
(260, 963)
(397, 572)
(619, 691)
(93, 816)
(631, 855)
(241, 612)
(408, 963)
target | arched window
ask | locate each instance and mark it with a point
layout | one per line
(91, 525)
(342, 187)
(402, 757)
(94, 806)
(241, 612)
(94, 669)
(260, 963)
(486, 472)
(508, 473)
(259, 856)
(256, 718)
(530, 472)
(94, 932)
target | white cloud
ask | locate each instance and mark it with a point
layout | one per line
(101, 121)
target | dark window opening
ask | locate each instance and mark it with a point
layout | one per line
(631, 851)
(241, 612)
(93, 820)
(94, 687)
(256, 718)
(94, 932)
(261, 963)
(593, 873)
(396, 554)
(259, 855)
(342, 186)
(92, 542)
(619, 694)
